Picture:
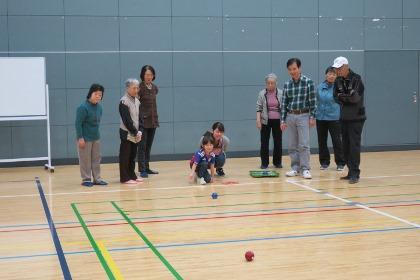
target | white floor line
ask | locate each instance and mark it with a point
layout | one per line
(136, 189)
(369, 177)
(195, 186)
(355, 204)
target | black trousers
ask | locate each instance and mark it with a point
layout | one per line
(272, 125)
(352, 137)
(145, 146)
(334, 128)
(127, 157)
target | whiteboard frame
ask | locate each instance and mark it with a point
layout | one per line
(35, 117)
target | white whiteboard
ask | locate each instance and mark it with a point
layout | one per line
(22, 87)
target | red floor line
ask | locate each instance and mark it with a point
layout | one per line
(215, 218)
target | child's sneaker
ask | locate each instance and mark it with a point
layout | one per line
(306, 174)
(292, 173)
(201, 181)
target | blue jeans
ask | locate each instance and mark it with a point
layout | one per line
(202, 172)
(220, 160)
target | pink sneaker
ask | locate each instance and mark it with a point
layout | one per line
(130, 182)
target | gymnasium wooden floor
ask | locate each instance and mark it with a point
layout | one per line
(167, 228)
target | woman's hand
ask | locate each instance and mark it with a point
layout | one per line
(138, 136)
(81, 143)
(259, 124)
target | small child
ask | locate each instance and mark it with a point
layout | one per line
(202, 160)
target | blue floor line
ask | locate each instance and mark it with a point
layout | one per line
(56, 239)
(174, 245)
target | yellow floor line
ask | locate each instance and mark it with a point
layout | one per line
(112, 265)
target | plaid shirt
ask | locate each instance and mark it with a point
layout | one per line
(298, 95)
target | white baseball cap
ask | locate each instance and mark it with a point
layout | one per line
(340, 61)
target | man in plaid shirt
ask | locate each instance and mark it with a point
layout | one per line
(298, 114)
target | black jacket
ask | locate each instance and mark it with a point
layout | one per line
(349, 93)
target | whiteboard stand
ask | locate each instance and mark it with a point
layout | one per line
(34, 92)
(48, 165)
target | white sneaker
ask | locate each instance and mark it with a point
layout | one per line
(201, 181)
(292, 173)
(306, 174)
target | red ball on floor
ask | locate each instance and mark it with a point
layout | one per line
(249, 256)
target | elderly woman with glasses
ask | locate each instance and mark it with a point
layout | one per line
(268, 119)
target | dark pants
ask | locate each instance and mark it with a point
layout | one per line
(202, 172)
(272, 125)
(145, 146)
(334, 128)
(220, 160)
(352, 136)
(128, 151)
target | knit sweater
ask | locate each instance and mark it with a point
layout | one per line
(88, 117)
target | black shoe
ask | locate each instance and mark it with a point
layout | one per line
(263, 166)
(278, 165)
(345, 178)
(353, 180)
(144, 174)
(220, 172)
(150, 171)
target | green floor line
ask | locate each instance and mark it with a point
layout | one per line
(93, 243)
(151, 246)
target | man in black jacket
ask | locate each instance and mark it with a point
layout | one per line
(349, 92)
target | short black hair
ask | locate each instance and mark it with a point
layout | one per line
(95, 87)
(330, 69)
(292, 61)
(144, 69)
(219, 126)
(207, 139)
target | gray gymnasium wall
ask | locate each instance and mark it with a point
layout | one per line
(211, 60)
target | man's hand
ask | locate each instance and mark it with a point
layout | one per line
(283, 126)
(312, 122)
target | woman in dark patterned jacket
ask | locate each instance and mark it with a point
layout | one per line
(148, 108)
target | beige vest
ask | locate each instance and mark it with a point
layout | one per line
(133, 105)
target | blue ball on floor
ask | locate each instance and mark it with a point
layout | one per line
(214, 195)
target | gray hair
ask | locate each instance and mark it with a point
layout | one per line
(129, 82)
(271, 76)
